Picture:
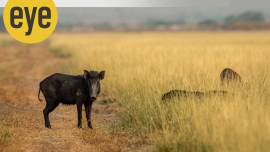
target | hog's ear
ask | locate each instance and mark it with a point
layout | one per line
(85, 74)
(101, 75)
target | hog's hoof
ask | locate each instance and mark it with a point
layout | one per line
(48, 126)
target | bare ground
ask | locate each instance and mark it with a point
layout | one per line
(22, 67)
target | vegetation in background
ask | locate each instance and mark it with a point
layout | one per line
(163, 23)
(4, 134)
(60, 51)
(245, 17)
(7, 42)
(208, 23)
(141, 66)
(2, 28)
(246, 20)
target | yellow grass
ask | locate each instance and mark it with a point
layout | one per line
(4, 134)
(141, 66)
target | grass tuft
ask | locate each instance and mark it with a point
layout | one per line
(7, 42)
(60, 51)
(5, 134)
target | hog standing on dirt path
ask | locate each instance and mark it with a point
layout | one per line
(69, 89)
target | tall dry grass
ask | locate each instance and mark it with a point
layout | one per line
(141, 66)
(4, 134)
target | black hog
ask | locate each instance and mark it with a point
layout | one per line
(191, 94)
(228, 75)
(70, 90)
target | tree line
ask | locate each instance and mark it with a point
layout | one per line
(245, 20)
(1, 23)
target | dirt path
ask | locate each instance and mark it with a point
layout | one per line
(21, 68)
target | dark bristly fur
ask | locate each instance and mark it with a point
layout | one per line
(68, 89)
(192, 94)
(228, 75)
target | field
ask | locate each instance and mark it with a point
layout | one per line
(139, 68)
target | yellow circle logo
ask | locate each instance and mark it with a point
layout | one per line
(30, 21)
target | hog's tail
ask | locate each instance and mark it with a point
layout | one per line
(39, 95)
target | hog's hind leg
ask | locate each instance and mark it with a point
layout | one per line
(50, 106)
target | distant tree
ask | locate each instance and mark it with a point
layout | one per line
(230, 20)
(103, 26)
(1, 23)
(180, 22)
(245, 18)
(251, 17)
(208, 23)
(155, 23)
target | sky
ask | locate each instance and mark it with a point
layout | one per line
(131, 3)
(188, 10)
(264, 4)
